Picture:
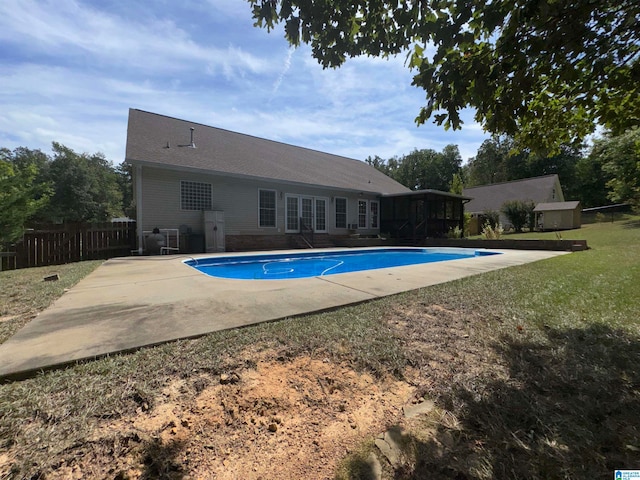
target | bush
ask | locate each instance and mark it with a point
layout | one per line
(454, 233)
(492, 233)
(491, 217)
(519, 213)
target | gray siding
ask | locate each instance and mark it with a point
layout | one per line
(237, 198)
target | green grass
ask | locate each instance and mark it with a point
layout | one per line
(24, 293)
(540, 372)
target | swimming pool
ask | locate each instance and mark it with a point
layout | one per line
(284, 266)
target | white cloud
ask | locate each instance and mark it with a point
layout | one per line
(71, 70)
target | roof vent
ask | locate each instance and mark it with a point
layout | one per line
(193, 145)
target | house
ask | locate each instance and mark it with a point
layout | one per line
(231, 191)
(485, 198)
(558, 215)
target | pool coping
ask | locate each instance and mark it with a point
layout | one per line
(133, 302)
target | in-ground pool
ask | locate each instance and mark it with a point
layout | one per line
(282, 266)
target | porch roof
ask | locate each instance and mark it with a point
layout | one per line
(425, 193)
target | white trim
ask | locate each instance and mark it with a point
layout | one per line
(315, 214)
(210, 207)
(370, 216)
(139, 209)
(275, 203)
(286, 212)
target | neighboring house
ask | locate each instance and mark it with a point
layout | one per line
(545, 189)
(558, 215)
(242, 192)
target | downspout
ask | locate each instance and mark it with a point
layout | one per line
(139, 209)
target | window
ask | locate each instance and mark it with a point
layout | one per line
(341, 212)
(195, 196)
(362, 214)
(267, 208)
(373, 211)
(293, 217)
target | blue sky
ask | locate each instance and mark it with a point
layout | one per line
(71, 69)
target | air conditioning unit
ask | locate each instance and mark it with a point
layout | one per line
(353, 226)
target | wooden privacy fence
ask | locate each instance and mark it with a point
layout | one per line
(66, 243)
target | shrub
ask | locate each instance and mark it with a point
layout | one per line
(492, 233)
(491, 217)
(519, 213)
(454, 232)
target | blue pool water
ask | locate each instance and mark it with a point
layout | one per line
(281, 266)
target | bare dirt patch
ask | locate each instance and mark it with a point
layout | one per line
(285, 418)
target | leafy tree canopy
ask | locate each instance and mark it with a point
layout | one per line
(86, 187)
(21, 195)
(620, 159)
(422, 169)
(545, 72)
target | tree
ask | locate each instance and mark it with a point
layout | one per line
(591, 181)
(125, 185)
(422, 169)
(519, 213)
(544, 72)
(85, 187)
(456, 186)
(21, 196)
(620, 157)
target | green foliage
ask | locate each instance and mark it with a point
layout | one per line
(492, 233)
(125, 185)
(455, 232)
(620, 159)
(422, 169)
(519, 213)
(21, 196)
(543, 72)
(85, 187)
(491, 217)
(456, 186)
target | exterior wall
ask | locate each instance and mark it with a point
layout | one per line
(238, 199)
(561, 219)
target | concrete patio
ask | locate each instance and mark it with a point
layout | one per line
(132, 302)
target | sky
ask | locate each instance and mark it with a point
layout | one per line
(71, 69)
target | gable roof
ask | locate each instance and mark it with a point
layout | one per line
(492, 197)
(162, 141)
(555, 206)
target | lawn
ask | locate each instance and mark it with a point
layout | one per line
(533, 371)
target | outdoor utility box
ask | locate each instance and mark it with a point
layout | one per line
(196, 243)
(214, 231)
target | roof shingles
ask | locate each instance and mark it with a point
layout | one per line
(163, 141)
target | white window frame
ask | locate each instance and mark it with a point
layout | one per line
(275, 208)
(201, 184)
(286, 213)
(367, 215)
(313, 199)
(371, 217)
(346, 212)
(364, 215)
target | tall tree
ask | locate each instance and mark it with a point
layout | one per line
(591, 181)
(545, 72)
(490, 163)
(422, 169)
(620, 156)
(85, 187)
(21, 195)
(125, 185)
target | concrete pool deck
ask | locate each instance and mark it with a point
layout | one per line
(132, 302)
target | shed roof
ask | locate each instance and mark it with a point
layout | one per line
(162, 141)
(555, 206)
(492, 197)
